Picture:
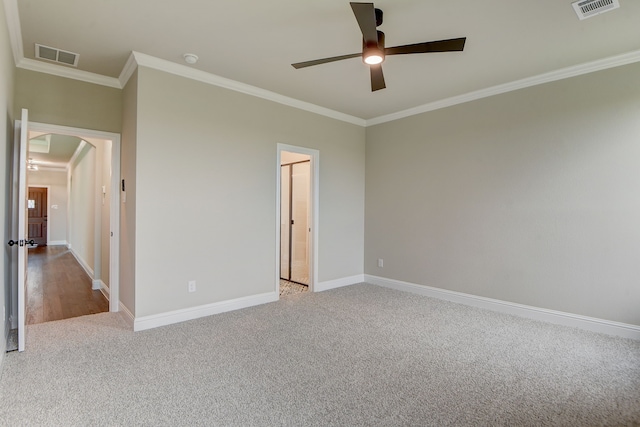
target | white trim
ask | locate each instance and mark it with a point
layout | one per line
(83, 264)
(69, 73)
(71, 131)
(114, 227)
(128, 70)
(339, 283)
(104, 289)
(177, 316)
(22, 134)
(96, 284)
(58, 243)
(126, 314)
(563, 73)
(542, 314)
(212, 79)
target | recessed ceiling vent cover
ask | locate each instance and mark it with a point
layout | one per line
(57, 55)
(588, 8)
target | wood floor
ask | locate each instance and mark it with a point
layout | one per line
(58, 287)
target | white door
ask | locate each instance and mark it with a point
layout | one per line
(22, 228)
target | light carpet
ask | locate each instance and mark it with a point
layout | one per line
(362, 355)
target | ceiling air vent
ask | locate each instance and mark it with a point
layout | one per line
(57, 55)
(588, 8)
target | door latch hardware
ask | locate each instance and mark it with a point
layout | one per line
(21, 242)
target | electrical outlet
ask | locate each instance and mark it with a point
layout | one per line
(192, 286)
(380, 262)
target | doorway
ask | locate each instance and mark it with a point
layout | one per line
(105, 201)
(297, 212)
(68, 276)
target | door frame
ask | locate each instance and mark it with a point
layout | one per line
(114, 197)
(48, 187)
(314, 193)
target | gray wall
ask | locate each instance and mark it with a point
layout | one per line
(66, 102)
(7, 71)
(82, 206)
(531, 197)
(206, 167)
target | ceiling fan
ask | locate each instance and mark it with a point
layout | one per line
(373, 49)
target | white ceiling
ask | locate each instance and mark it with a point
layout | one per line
(255, 42)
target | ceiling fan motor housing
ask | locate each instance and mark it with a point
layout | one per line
(378, 17)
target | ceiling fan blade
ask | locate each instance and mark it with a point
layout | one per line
(324, 60)
(450, 45)
(377, 78)
(366, 16)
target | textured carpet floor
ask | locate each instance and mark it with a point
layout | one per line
(356, 356)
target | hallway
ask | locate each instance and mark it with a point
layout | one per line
(58, 287)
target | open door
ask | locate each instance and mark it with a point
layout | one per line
(22, 229)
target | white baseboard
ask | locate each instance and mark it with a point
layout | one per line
(552, 316)
(338, 283)
(177, 316)
(102, 287)
(57, 243)
(83, 264)
(126, 314)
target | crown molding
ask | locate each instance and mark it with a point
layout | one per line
(70, 73)
(563, 73)
(212, 79)
(128, 70)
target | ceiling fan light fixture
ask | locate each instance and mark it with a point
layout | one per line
(373, 57)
